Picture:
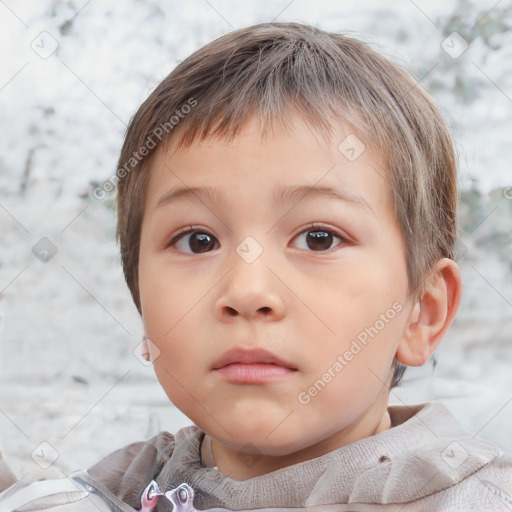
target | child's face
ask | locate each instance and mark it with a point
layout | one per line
(329, 301)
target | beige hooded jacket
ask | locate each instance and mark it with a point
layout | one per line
(425, 462)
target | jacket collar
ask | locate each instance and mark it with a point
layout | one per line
(425, 452)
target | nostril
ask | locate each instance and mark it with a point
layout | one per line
(233, 312)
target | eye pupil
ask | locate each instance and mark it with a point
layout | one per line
(319, 240)
(201, 242)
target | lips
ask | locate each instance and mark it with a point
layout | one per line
(251, 356)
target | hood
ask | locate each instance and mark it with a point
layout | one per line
(426, 451)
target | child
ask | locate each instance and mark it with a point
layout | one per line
(259, 148)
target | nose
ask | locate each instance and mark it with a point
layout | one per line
(250, 290)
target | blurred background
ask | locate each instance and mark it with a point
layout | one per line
(73, 73)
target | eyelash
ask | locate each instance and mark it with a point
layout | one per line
(311, 227)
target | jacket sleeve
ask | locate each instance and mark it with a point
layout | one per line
(114, 484)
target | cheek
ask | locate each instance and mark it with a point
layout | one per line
(164, 298)
(360, 294)
(366, 312)
(161, 310)
(172, 315)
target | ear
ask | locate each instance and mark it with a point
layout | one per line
(432, 315)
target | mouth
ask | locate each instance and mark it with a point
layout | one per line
(250, 356)
(252, 366)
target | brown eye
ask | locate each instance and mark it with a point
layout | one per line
(195, 242)
(318, 240)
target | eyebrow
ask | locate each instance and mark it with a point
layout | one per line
(298, 192)
(290, 194)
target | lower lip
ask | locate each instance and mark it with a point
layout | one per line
(254, 373)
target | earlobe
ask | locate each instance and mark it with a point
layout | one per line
(412, 349)
(432, 315)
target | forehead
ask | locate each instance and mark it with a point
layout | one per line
(283, 163)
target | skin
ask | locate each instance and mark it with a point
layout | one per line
(306, 306)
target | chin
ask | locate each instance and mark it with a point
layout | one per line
(254, 439)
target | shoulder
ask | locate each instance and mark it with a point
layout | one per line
(115, 483)
(446, 467)
(489, 489)
(496, 478)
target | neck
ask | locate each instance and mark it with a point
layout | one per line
(233, 463)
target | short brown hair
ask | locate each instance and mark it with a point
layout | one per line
(277, 69)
